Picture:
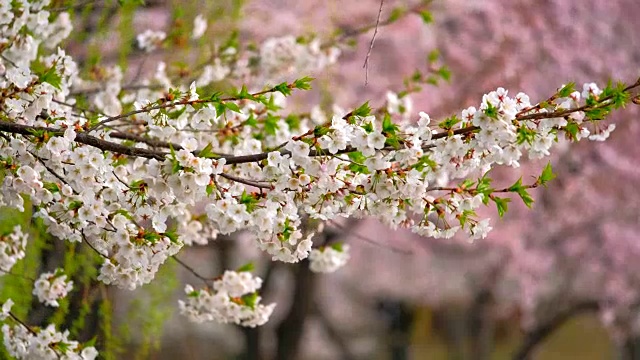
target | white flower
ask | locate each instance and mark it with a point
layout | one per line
(52, 286)
(602, 135)
(57, 145)
(215, 72)
(150, 40)
(234, 300)
(20, 77)
(199, 27)
(328, 259)
(590, 89)
(376, 140)
(6, 308)
(12, 248)
(376, 162)
(189, 144)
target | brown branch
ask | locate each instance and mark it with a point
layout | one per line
(83, 138)
(253, 183)
(536, 336)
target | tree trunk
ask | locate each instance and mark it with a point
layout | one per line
(289, 332)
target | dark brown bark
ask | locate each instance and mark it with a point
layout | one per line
(482, 327)
(333, 333)
(290, 330)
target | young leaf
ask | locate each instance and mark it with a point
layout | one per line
(501, 204)
(52, 77)
(547, 175)
(426, 16)
(248, 267)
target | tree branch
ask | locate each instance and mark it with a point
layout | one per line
(536, 336)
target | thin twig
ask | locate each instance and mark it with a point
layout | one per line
(191, 270)
(84, 237)
(369, 240)
(373, 39)
(8, 60)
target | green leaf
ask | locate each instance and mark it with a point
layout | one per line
(248, 200)
(248, 267)
(572, 129)
(517, 186)
(293, 121)
(468, 183)
(566, 90)
(423, 162)
(524, 134)
(362, 111)
(320, 130)
(444, 73)
(172, 234)
(393, 141)
(244, 94)
(526, 197)
(52, 77)
(396, 13)
(484, 188)
(338, 246)
(231, 106)
(207, 152)
(356, 156)
(491, 111)
(283, 88)
(501, 204)
(250, 300)
(303, 83)
(251, 121)
(547, 175)
(271, 124)
(357, 159)
(426, 16)
(619, 97)
(388, 126)
(131, 2)
(466, 214)
(433, 56)
(209, 189)
(90, 343)
(449, 123)
(232, 41)
(367, 127)
(52, 187)
(75, 205)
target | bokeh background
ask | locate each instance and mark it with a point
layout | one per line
(561, 281)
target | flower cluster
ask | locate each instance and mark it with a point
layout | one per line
(45, 344)
(328, 259)
(52, 286)
(151, 168)
(12, 247)
(233, 299)
(287, 55)
(150, 40)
